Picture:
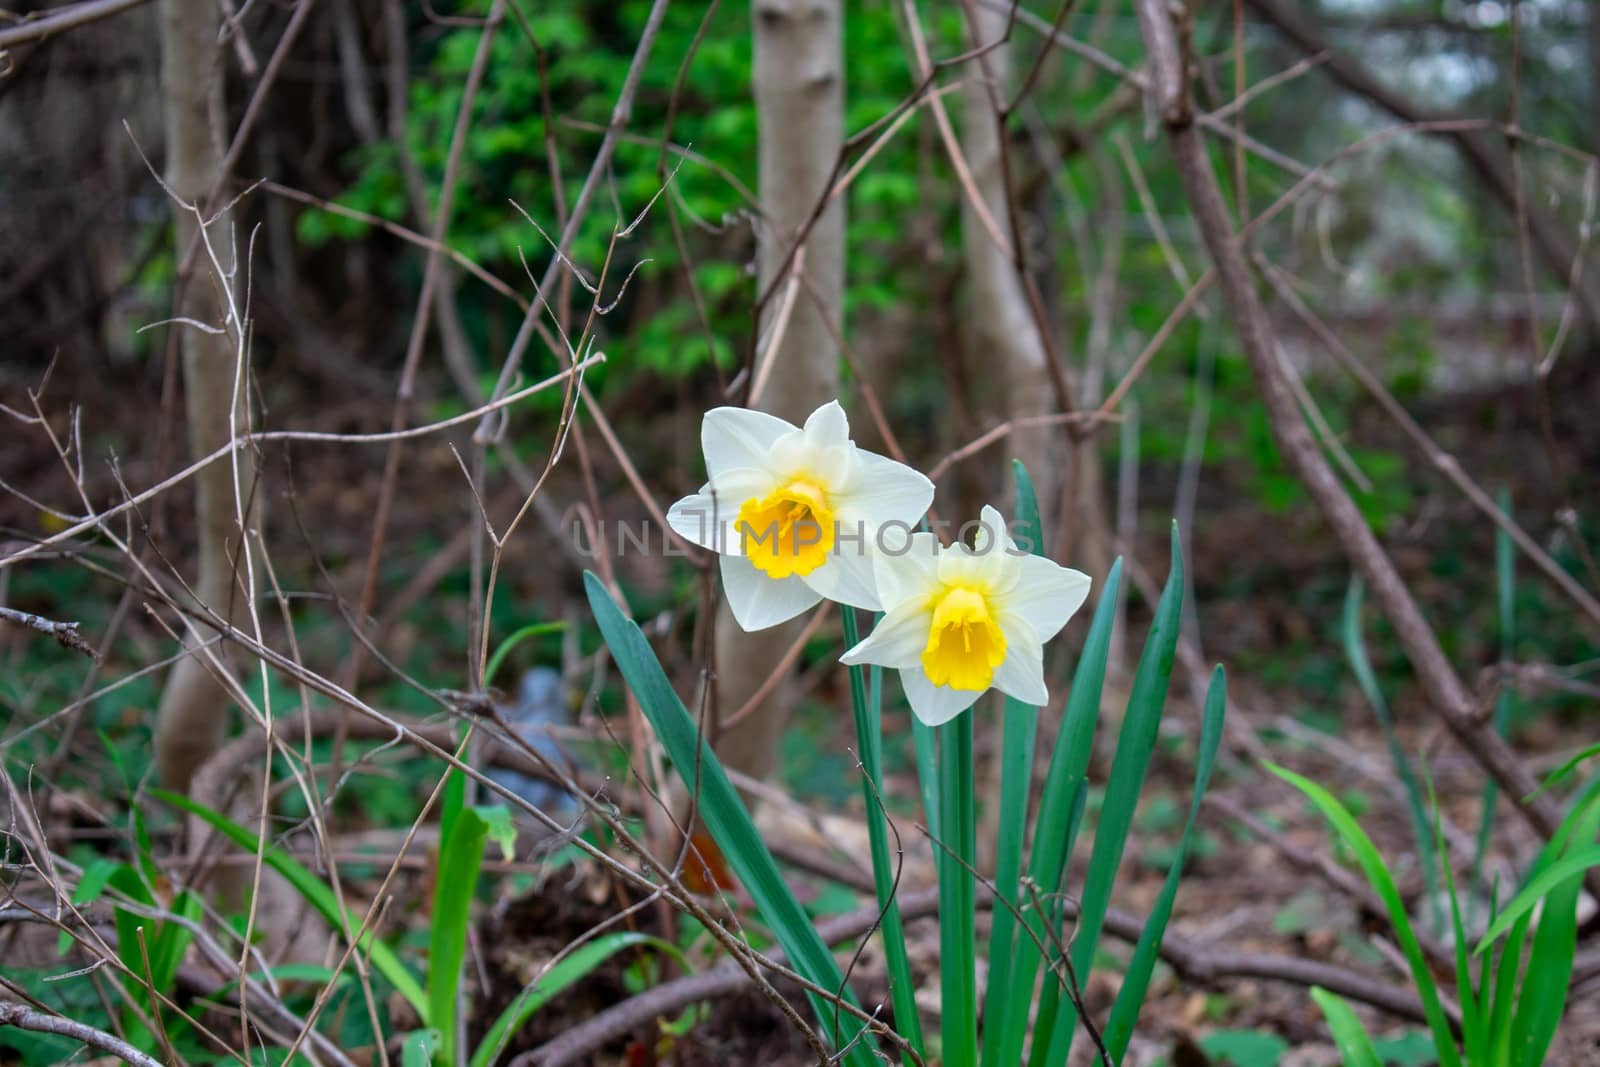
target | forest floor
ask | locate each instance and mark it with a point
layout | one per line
(1270, 608)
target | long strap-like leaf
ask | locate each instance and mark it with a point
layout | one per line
(1130, 998)
(1135, 744)
(725, 816)
(1060, 805)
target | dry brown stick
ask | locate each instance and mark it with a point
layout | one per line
(23, 1017)
(214, 781)
(20, 551)
(48, 24)
(65, 633)
(621, 113)
(458, 257)
(1002, 430)
(1445, 690)
(431, 276)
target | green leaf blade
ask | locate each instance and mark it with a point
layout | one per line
(725, 815)
(1355, 1045)
(1136, 981)
(1135, 746)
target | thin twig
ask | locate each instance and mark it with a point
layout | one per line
(48, 24)
(65, 633)
(1445, 690)
(23, 1017)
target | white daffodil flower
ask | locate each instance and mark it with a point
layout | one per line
(964, 619)
(793, 511)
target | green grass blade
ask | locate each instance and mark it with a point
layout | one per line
(1002, 1010)
(1505, 569)
(315, 892)
(460, 859)
(958, 990)
(128, 881)
(125, 879)
(569, 969)
(1355, 1046)
(1565, 770)
(1474, 1034)
(1136, 982)
(506, 647)
(91, 883)
(1027, 529)
(927, 751)
(1060, 809)
(1568, 866)
(1355, 650)
(1505, 992)
(173, 938)
(1135, 744)
(1544, 992)
(869, 745)
(725, 816)
(1382, 883)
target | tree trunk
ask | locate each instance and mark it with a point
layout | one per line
(799, 91)
(1002, 334)
(193, 715)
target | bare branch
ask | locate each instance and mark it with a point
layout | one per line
(1445, 690)
(1492, 169)
(66, 633)
(60, 20)
(23, 1017)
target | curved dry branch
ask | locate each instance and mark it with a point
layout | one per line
(23, 1017)
(1445, 690)
(49, 24)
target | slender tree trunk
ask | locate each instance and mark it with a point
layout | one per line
(193, 715)
(1003, 335)
(1003, 342)
(799, 92)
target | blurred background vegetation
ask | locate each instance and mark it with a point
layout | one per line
(1400, 247)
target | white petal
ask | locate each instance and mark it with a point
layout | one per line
(881, 490)
(988, 561)
(797, 455)
(738, 437)
(827, 426)
(897, 641)
(707, 518)
(995, 534)
(757, 601)
(904, 568)
(704, 520)
(846, 577)
(1022, 673)
(1046, 596)
(935, 705)
(1002, 559)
